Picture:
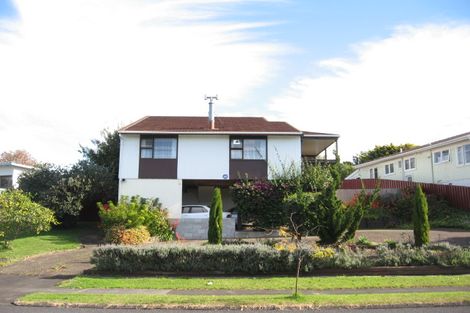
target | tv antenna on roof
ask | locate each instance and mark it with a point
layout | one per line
(211, 115)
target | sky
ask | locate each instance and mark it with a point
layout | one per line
(374, 72)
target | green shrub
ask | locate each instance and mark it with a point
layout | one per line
(134, 212)
(420, 218)
(132, 236)
(262, 259)
(19, 216)
(214, 233)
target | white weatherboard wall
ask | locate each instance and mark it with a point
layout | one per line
(129, 156)
(168, 192)
(13, 171)
(203, 157)
(283, 151)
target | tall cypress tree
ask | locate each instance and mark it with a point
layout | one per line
(214, 234)
(420, 218)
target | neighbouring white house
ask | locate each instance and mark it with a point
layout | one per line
(446, 161)
(180, 159)
(9, 173)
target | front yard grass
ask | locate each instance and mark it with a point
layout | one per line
(54, 240)
(275, 283)
(245, 301)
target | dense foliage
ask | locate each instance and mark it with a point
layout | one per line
(19, 216)
(71, 191)
(264, 259)
(134, 212)
(304, 198)
(214, 233)
(395, 210)
(420, 218)
(380, 151)
(60, 189)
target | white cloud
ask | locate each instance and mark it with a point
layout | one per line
(70, 68)
(413, 86)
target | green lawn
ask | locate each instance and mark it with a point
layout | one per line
(57, 239)
(258, 301)
(276, 283)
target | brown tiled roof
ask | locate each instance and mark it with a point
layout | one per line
(200, 124)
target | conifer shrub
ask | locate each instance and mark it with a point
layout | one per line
(214, 233)
(420, 218)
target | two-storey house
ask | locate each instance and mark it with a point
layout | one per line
(445, 161)
(179, 159)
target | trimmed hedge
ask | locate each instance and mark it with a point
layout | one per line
(264, 259)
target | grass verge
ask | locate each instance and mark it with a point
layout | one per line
(54, 240)
(259, 301)
(275, 283)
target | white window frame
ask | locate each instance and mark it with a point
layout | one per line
(408, 160)
(389, 169)
(371, 173)
(461, 155)
(437, 156)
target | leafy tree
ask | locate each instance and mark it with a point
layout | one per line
(57, 188)
(214, 233)
(102, 186)
(19, 215)
(18, 156)
(380, 151)
(420, 218)
(105, 153)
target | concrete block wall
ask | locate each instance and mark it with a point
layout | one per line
(196, 228)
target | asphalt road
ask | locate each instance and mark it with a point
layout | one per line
(5, 308)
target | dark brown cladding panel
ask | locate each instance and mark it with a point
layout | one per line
(252, 168)
(158, 168)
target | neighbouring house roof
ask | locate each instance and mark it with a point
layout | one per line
(200, 124)
(429, 146)
(13, 164)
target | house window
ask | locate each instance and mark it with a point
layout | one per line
(164, 148)
(146, 148)
(410, 164)
(389, 169)
(6, 182)
(371, 173)
(248, 149)
(158, 148)
(441, 156)
(463, 155)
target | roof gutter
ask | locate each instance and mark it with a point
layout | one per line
(209, 132)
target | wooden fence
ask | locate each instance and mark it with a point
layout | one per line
(458, 196)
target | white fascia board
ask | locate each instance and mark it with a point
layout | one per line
(13, 164)
(321, 136)
(411, 152)
(210, 133)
